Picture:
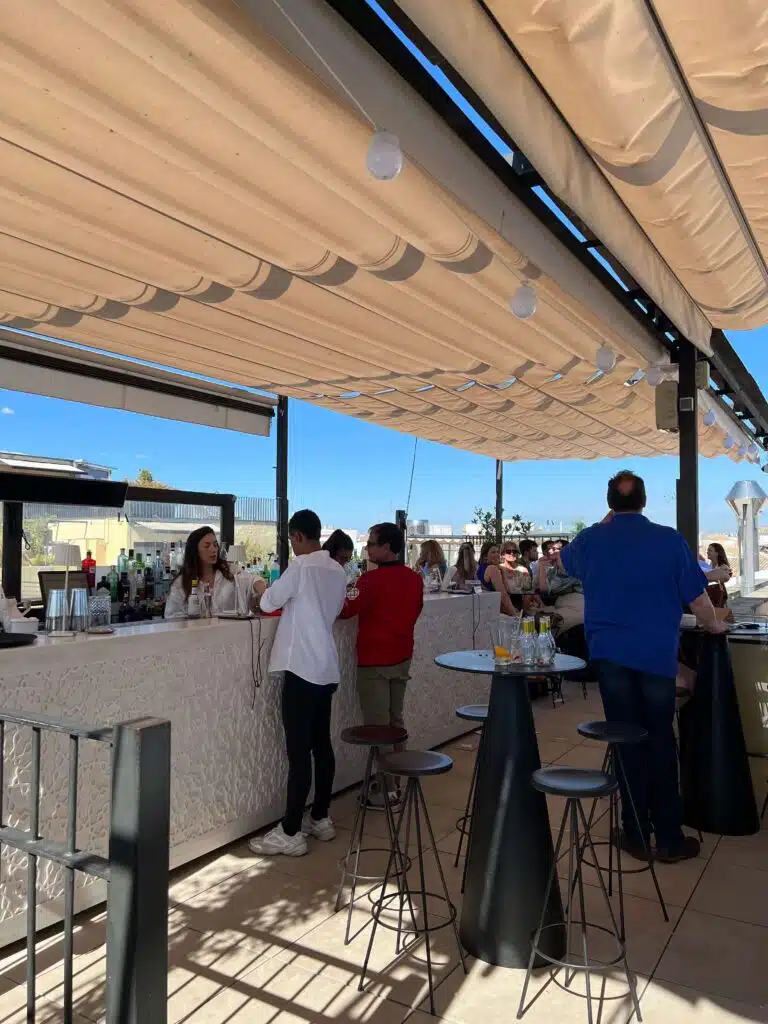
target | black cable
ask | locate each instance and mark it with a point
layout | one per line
(410, 483)
(256, 673)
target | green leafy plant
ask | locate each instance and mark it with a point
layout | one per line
(490, 528)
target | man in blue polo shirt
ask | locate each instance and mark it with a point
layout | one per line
(637, 577)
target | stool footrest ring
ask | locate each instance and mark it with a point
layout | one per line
(412, 897)
(359, 877)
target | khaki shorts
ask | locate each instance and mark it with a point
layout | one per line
(381, 690)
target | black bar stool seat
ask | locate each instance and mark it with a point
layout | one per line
(473, 712)
(374, 737)
(412, 765)
(616, 735)
(469, 713)
(584, 783)
(613, 732)
(576, 784)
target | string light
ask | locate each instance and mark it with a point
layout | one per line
(385, 157)
(605, 359)
(523, 302)
(728, 442)
(709, 418)
(742, 451)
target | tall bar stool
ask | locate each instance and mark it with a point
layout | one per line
(412, 765)
(616, 735)
(374, 737)
(577, 784)
(469, 713)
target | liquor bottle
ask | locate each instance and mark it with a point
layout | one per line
(159, 568)
(149, 583)
(113, 580)
(122, 561)
(545, 643)
(274, 572)
(193, 602)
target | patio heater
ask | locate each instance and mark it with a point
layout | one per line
(747, 498)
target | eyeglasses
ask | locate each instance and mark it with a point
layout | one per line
(510, 551)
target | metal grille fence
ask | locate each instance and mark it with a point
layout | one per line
(247, 510)
(136, 868)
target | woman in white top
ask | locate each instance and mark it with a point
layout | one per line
(202, 562)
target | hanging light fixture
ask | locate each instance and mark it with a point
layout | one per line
(709, 418)
(728, 442)
(605, 359)
(385, 157)
(654, 375)
(523, 302)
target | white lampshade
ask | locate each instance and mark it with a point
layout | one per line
(709, 418)
(605, 359)
(385, 157)
(523, 302)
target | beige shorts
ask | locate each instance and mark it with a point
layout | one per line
(381, 690)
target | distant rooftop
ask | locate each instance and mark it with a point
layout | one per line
(18, 462)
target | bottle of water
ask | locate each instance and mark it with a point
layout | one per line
(545, 644)
(528, 642)
(193, 602)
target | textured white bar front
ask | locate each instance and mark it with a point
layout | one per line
(228, 765)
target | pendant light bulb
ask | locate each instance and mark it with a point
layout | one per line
(654, 375)
(523, 302)
(605, 359)
(742, 451)
(728, 442)
(709, 418)
(385, 157)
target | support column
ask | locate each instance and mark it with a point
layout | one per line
(281, 482)
(499, 499)
(13, 525)
(688, 436)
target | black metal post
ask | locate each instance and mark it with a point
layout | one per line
(137, 900)
(228, 521)
(499, 500)
(281, 482)
(688, 437)
(402, 522)
(13, 525)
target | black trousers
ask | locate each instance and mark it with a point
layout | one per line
(307, 724)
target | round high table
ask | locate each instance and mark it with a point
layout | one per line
(510, 853)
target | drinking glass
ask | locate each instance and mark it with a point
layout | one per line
(57, 612)
(99, 610)
(78, 609)
(507, 632)
(243, 588)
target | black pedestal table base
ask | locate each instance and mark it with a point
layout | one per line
(715, 778)
(510, 847)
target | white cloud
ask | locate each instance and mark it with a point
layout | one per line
(6, 411)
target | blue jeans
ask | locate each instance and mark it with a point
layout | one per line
(651, 767)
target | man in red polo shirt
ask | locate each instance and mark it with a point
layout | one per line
(388, 604)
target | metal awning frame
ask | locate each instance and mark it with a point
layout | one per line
(731, 379)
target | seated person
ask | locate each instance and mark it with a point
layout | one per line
(431, 560)
(490, 576)
(464, 572)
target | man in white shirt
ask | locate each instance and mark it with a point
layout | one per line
(310, 593)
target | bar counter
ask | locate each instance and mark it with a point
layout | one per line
(228, 767)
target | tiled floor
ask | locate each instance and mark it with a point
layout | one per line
(253, 940)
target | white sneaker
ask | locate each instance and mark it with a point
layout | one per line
(323, 829)
(277, 842)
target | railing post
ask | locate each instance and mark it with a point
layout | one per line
(137, 901)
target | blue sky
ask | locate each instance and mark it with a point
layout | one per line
(355, 473)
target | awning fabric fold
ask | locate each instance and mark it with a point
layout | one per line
(177, 187)
(648, 119)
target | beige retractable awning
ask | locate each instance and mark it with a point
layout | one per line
(652, 111)
(176, 186)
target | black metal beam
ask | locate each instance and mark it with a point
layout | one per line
(171, 496)
(55, 490)
(499, 500)
(281, 482)
(688, 426)
(521, 178)
(227, 526)
(13, 526)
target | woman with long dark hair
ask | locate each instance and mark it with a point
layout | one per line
(340, 547)
(203, 563)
